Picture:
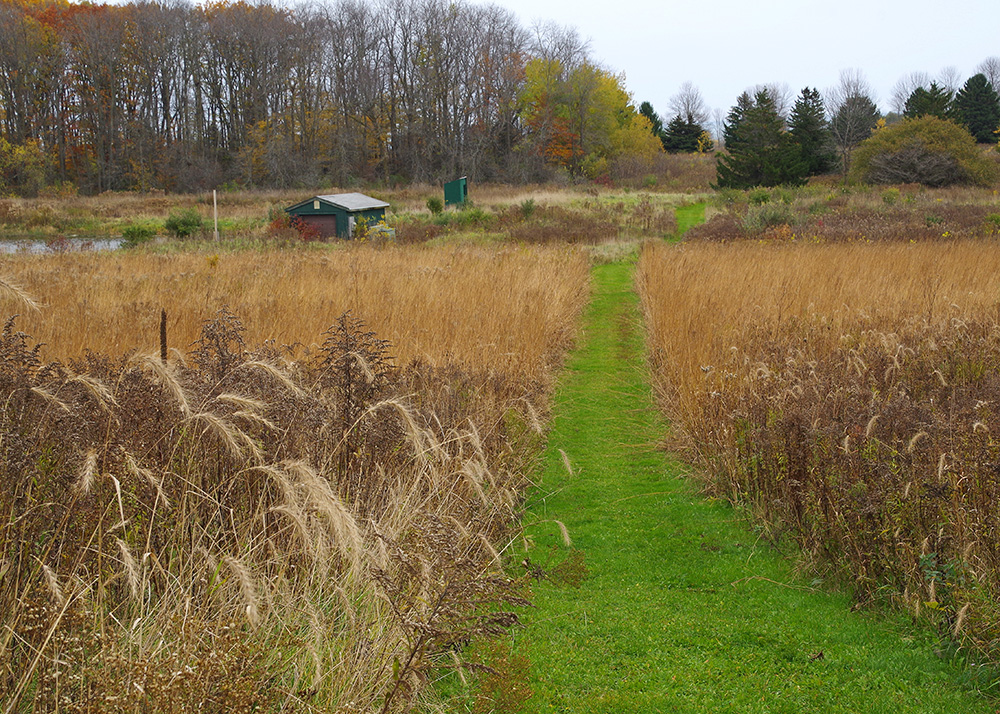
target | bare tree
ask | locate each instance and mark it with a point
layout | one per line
(949, 78)
(689, 105)
(904, 87)
(561, 43)
(991, 68)
(851, 105)
(718, 126)
(780, 93)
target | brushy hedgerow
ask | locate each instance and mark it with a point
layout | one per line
(869, 214)
(233, 532)
(849, 396)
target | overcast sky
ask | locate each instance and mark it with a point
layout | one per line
(726, 46)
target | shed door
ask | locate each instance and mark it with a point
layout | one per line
(326, 225)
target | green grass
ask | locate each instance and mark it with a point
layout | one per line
(682, 609)
(689, 216)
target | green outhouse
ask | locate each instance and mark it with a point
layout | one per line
(336, 215)
(456, 192)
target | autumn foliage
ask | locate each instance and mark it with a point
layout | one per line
(186, 97)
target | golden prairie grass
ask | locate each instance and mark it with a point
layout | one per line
(703, 300)
(846, 392)
(505, 309)
(249, 530)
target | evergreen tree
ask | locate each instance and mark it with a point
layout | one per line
(760, 151)
(977, 107)
(810, 130)
(744, 103)
(646, 110)
(935, 101)
(685, 135)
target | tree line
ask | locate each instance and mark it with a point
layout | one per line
(169, 95)
(767, 145)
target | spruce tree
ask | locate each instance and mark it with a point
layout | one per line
(760, 151)
(810, 130)
(977, 107)
(683, 135)
(934, 101)
(744, 103)
(646, 110)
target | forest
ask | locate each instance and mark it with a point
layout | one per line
(180, 97)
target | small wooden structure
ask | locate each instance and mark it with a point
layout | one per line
(336, 215)
(456, 192)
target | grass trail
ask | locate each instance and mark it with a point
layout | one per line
(681, 609)
(688, 216)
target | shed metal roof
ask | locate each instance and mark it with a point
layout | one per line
(353, 201)
(350, 202)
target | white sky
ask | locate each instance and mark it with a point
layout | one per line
(726, 46)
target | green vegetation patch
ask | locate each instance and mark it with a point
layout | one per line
(651, 598)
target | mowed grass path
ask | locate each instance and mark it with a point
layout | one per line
(682, 610)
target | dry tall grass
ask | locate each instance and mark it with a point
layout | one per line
(848, 394)
(232, 530)
(503, 309)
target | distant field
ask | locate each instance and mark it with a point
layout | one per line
(503, 309)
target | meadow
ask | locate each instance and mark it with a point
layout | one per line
(830, 212)
(845, 394)
(303, 507)
(262, 474)
(488, 308)
(495, 213)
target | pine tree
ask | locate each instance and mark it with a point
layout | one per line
(760, 151)
(646, 109)
(737, 113)
(977, 107)
(934, 101)
(684, 135)
(810, 130)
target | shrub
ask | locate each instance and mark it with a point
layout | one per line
(928, 150)
(435, 205)
(182, 224)
(759, 196)
(527, 208)
(767, 215)
(306, 231)
(136, 234)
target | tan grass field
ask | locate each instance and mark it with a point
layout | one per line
(848, 394)
(244, 528)
(507, 309)
(705, 299)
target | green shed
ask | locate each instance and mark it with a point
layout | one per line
(337, 214)
(456, 192)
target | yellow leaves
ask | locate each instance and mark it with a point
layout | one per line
(584, 118)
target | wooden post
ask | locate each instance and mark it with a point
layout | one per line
(163, 336)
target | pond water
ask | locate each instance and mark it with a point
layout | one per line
(62, 244)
